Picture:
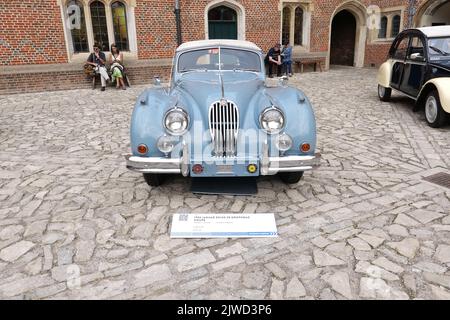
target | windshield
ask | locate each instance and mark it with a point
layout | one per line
(219, 58)
(439, 48)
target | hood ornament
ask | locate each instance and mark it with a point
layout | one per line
(223, 102)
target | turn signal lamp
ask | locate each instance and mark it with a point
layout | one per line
(142, 149)
(197, 169)
(305, 147)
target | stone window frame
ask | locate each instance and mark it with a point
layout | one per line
(389, 13)
(307, 7)
(130, 6)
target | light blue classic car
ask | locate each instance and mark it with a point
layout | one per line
(221, 117)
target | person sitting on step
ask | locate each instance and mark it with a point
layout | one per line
(117, 69)
(97, 59)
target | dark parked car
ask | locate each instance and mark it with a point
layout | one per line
(419, 66)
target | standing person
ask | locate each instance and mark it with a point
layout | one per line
(115, 60)
(287, 61)
(98, 60)
(274, 60)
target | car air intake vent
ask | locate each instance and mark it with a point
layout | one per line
(224, 127)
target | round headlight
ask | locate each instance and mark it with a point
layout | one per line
(272, 120)
(284, 142)
(165, 144)
(176, 121)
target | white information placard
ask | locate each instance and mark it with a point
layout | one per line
(223, 226)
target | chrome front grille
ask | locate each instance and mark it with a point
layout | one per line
(224, 127)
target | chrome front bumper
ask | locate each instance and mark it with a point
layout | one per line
(268, 165)
(273, 165)
(289, 164)
(159, 165)
(153, 165)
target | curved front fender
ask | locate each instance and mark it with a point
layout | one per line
(385, 73)
(300, 118)
(146, 120)
(443, 87)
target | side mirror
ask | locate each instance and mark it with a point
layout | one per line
(417, 57)
(157, 81)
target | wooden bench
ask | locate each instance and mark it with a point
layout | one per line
(300, 63)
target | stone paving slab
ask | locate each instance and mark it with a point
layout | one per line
(74, 223)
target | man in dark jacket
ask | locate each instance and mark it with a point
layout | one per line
(273, 58)
(97, 59)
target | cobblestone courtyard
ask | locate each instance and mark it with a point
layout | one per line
(364, 225)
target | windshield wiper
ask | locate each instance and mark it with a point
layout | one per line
(440, 51)
(243, 69)
(193, 70)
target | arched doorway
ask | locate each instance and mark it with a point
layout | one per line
(433, 13)
(222, 23)
(343, 39)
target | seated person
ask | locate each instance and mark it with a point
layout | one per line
(273, 58)
(97, 59)
(115, 60)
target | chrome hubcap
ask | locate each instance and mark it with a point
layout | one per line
(381, 91)
(431, 109)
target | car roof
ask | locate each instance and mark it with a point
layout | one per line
(436, 31)
(216, 43)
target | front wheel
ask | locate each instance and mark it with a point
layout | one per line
(384, 93)
(291, 177)
(434, 113)
(153, 180)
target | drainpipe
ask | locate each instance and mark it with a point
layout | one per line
(178, 21)
(411, 13)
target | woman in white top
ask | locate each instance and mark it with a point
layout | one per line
(116, 62)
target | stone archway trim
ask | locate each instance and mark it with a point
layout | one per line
(360, 13)
(240, 10)
(427, 8)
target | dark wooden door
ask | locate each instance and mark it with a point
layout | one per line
(343, 35)
(222, 30)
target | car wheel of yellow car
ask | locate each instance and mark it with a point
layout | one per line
(153, 180)
(435, 115)
(291, 177)
(384, 93)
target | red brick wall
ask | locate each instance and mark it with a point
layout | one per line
(323, 13)
(156, 30)
(67, 80)
(31, 32)
(375, 53)
(263, 22)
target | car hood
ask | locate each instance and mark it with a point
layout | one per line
(206, 87)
